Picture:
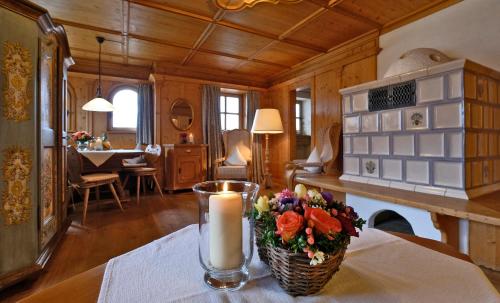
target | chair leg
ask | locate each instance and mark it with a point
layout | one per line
(144, 185)
(86, 195)
(97, 193)
(126, 181)
(138, 189)
(72, 198)
(158, 186)
(112, 188)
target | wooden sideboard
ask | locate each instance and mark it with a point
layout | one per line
(185, 165)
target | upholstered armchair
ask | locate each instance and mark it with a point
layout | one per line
(321, 161)
(236, 163)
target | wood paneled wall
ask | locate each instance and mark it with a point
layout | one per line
(353, 64)
(82, 88)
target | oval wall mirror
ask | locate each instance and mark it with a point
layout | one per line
(181, 114)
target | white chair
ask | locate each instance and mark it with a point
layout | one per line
(237, 161)
(326, 162)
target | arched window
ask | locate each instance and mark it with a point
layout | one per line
(124, 116)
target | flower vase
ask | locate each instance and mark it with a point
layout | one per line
(82, 145)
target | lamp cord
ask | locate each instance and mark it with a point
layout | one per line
(99, 94)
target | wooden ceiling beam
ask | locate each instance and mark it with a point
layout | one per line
(160, 41)
(203, 37)
(224, 23)
(333, 5)
(125, 29)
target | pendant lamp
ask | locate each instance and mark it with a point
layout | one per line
(99, 104)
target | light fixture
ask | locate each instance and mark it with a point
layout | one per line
(236, 5)
(99, 104)
(267, 121)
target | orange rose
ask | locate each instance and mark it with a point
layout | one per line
(289, 224)
(322, 221)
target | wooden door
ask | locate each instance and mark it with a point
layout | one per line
(188, 169)
(48, 153)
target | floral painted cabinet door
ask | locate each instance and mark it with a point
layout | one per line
(48, 137)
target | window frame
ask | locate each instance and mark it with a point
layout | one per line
(241, 114)
(300, 117)
(114, 91)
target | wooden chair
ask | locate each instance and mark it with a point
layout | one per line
(241, 139)
(330, 142)
(151, 155)
(87, 182)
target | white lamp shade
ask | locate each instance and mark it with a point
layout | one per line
(98, 105)
(267, 121)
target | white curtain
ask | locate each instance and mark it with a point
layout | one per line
(212, 134)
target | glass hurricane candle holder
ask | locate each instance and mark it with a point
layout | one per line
(226, 231)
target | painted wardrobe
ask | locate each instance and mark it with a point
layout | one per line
(34, 57)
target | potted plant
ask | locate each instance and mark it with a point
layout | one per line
(303, 235)
(81, 138)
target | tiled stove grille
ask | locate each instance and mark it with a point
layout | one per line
(419, 147)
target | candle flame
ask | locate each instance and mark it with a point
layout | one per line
(225, 187)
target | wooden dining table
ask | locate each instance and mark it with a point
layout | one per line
(85, 287)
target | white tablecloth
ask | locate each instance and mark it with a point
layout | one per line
(378, 267)
(98, 157)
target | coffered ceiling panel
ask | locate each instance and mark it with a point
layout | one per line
(270, 18)
(285, 54)
(166, 26)
(331, 29)
(202, 7)
(156, 51)
(107, 14)
(258, 69)
(214, 61)
(85, 39)
(234, 42)
(383, 11)
(140, 62)
(78, 54)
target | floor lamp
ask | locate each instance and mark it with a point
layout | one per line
(267, 121)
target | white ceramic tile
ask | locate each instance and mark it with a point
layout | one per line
(359, 179)
(391, 120)
(448, 174)
(403, 145)
(380, 145)
(347, 104)
(416, 118)
(345, 177)
(351, 125)
(430, 190)
(430, 89)
(448, 115)
(431, 145)
(455, 145)
(347, 145)
(455, 193)
(402, 185)
(417, 171)
(392, 169)
(370, 167)
(455, 85)
(360, 102)
(360, 145)
(351, 165)
(369, 123)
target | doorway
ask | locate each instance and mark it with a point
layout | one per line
(303, 122)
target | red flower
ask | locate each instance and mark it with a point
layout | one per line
(289, 224)
(322, 221)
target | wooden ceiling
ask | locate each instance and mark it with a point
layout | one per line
(194, 37)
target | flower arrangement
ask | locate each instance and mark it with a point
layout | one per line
(306, 221)
(81, 136)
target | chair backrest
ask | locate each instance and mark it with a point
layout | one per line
(74, 166)
(240, 138)
(152, 153)
(331, 147)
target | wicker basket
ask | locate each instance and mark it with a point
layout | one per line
(296, 276)
(262, 249)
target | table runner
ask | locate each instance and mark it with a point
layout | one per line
(98, 158)
(378, 267)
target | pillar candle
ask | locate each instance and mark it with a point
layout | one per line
(225, 219)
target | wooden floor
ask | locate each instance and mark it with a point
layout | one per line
(109, 233)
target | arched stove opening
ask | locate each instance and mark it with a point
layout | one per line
(388, 220)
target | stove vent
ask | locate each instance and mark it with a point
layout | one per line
(392, 96)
